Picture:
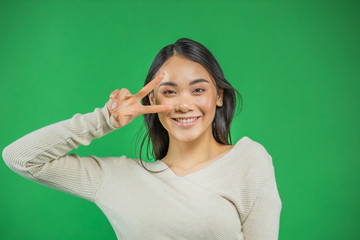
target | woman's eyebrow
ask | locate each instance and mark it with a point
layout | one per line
(191, 83)
(198, 80)
(168, 83)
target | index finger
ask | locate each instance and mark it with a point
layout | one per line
(156, 109)
(150, 86)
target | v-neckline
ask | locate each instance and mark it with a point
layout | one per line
(211, 165)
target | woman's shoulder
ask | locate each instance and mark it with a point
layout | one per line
(252, 152)
(123, 162)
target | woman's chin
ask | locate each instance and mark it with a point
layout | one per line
(189, 137)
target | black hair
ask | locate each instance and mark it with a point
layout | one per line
(156, 137)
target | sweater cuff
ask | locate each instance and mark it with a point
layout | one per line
(106, 114)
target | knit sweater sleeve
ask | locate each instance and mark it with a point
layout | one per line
(42, 155)
(263, 219)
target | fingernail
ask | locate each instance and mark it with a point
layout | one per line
(115, 116)
(113, 106)
(112, 95)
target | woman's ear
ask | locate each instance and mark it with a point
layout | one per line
(152, 98)
(219, 101)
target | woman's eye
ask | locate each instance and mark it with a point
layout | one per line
(199, 90)
(167, 92)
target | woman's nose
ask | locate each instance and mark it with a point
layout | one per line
(184, 104)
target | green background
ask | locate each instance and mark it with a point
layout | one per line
(296, 64)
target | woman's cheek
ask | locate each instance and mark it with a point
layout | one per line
(206, 103)
(161, 100)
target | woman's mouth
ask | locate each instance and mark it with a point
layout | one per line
(186, 122)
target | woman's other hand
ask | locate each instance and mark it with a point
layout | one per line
(125, 107)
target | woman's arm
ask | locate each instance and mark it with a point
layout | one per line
(264, 218)
(42, 156)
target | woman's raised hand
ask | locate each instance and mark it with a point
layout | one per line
(124, 106)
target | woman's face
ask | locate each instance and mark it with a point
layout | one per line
(191, 90)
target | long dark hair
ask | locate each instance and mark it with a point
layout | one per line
(156, 137)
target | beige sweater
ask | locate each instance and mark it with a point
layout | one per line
(235, 197)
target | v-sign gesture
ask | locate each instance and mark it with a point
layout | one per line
(125, 107)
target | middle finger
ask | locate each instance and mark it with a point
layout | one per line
(150, 86)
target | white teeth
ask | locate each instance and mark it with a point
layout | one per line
(183, 120)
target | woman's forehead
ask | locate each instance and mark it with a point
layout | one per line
(181, 69)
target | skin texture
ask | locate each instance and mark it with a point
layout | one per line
(173, 94)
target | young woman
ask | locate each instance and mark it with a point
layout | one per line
(199, 187)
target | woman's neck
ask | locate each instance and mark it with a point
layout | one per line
(190, 153)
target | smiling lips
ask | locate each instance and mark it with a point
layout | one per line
(186, 122)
